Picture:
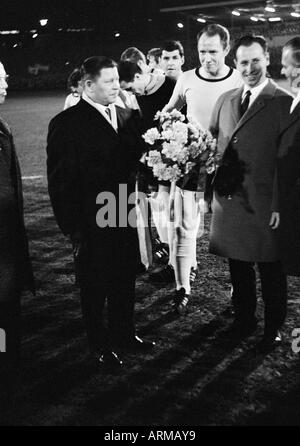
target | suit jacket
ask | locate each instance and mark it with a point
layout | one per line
(240, 225)
(86, 156)
(15, 267)
(289, 194)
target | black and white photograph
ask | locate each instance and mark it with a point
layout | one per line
(149, 215)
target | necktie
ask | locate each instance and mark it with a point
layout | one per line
(245, 103)
(108, 112)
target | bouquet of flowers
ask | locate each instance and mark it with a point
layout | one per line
(178, 147)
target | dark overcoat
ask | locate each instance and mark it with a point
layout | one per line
(240, 226)
(86, 157)
(289, 194)
(15, 267)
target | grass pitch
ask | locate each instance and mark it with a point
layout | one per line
(194, 377)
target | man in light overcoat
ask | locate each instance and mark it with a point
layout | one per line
(247, 123)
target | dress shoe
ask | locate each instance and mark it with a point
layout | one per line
(269, 342)
(180, 302)
(139, 345)
(109, 360)
(242, 329)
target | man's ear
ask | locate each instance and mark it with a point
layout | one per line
(182, 60)
(88, 84)
(235, 62)
(226, 50)
(143, 66)
(268, 58)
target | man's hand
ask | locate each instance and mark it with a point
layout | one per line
(76, 240)
(275, 220)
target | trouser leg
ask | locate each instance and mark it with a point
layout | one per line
(10, 315)
(243, 281)
(122, 292)
(9, 351)
(92, 304)
(274, 293)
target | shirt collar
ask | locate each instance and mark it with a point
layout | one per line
(101, 108)
(255, 91)
(297, 98)
(295, 102)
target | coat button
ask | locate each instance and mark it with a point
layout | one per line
(235, 140)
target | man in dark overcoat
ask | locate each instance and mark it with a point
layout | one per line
(15, 268)
(93, 151)
(244, 228)
(289, 166)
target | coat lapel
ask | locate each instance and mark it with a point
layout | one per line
(259, 103)
(4, 128)
(5, 142)
(95, 116)
(294, 117)
(236, 103)
(122, 116)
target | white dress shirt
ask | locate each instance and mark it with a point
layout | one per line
(101, 108)
(295, 102)
(255, 91)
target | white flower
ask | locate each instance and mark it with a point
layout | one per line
(151, 136)
(194, 150)
(167, 134)
(172, 173)
(159, 169)
(175, 114)
(180, 132)
(183, 155)
(171, 150)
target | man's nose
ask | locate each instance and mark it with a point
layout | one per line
(3, 83)
(207, 57)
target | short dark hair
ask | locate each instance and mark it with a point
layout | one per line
(294, 44)
(133, 54)
(173, 45)
(127, 70)
(248, 40)
(91, 67)
(156, 53)
(74, 78)
(214, 29)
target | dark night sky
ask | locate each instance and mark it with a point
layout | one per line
(26, 13)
